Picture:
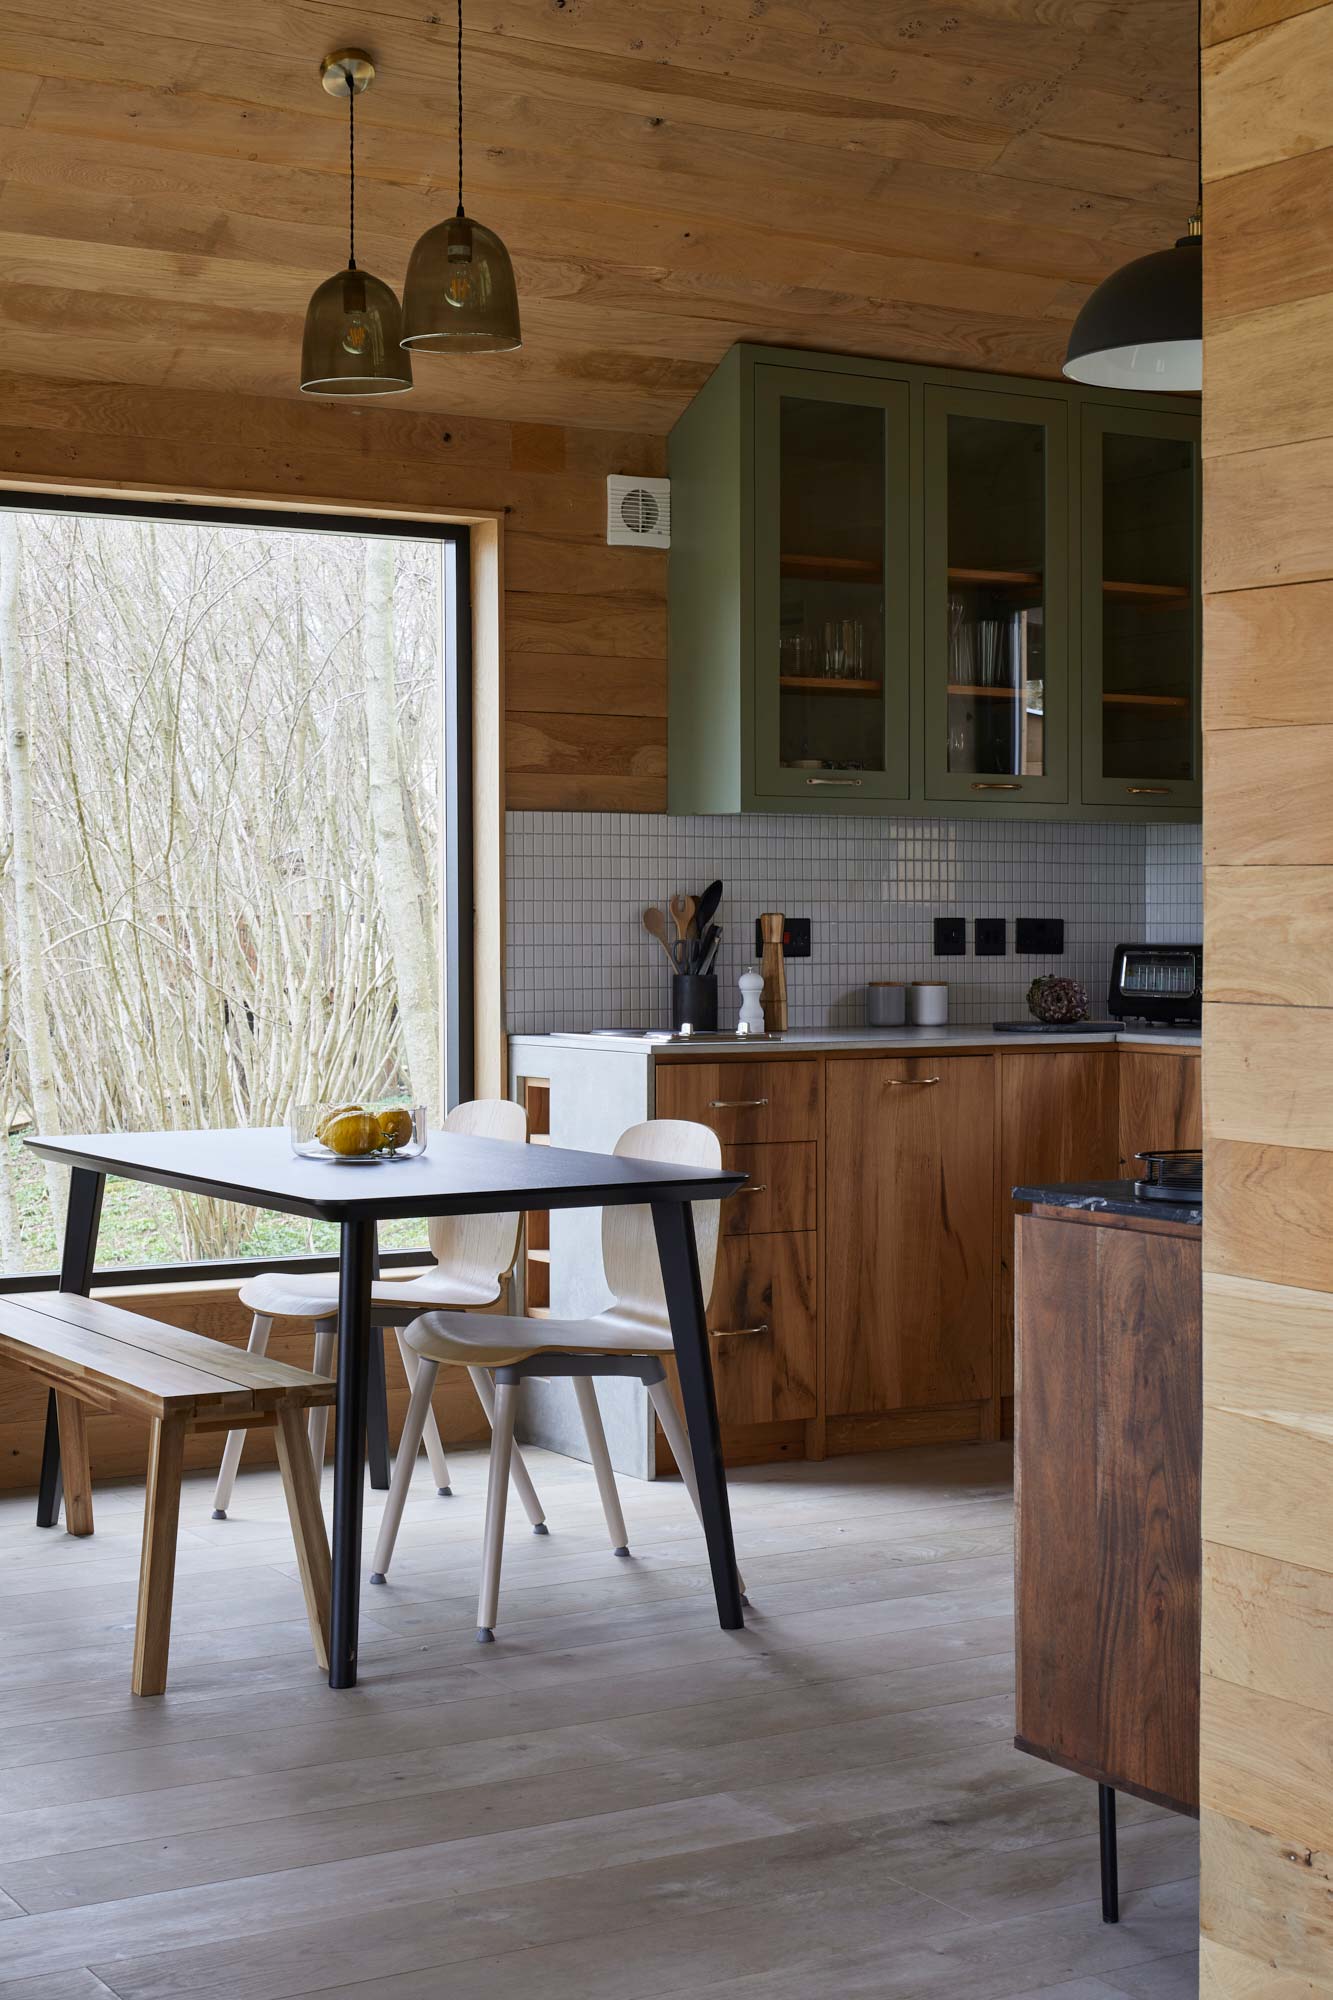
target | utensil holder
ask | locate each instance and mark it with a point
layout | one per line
(693, 1000)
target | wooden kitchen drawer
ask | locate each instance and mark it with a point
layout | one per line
(762, 1319)
(780, 1193)
(743, 1102)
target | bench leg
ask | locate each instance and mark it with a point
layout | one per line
(157, 1570)
(72, 1418)
(300, 1483)
(50, 1489)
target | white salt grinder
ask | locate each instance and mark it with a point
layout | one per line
(752, 1009)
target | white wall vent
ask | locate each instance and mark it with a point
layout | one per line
(638, 512)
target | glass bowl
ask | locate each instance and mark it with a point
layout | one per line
(360, 1134)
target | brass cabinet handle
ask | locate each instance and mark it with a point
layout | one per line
(912, 1082)
(735, 1332)
(1149, 791)
(988, 785)
(737, 1103)
(762, 1188)
(833, 781)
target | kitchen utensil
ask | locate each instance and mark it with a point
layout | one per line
(708, 945)
(774, 969)
(1172, 1174)
(751, 1020)
(655, 923)
(707, 907)
(927, 1004)
(682, 915)
(693, 1001)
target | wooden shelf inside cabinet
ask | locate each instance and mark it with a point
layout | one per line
(832, 569)
(997, 579)
(985, 693)
(814, 684)
(1147, 593)
(1146, 700)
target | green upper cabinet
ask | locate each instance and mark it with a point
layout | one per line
(905, 589)
(995, 576)
(833, 585)
(1140, 573)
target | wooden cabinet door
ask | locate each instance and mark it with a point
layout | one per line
(745, 1103)
(1159, 1104)
(910, 1232)
(762, 1319)
(1058, 1121)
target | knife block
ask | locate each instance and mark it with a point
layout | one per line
(774, 969)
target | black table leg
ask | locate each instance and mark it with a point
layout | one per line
(82, 1215)
(679, 1258)
(356, 1264)
(1110, 1859)
(377, 1416)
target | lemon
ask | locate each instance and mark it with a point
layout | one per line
(350, 1132)
(326, 1118)
(395, 1128)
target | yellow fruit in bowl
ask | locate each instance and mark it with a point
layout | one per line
(395, 1128)
(326, 1118)
(351, 1132)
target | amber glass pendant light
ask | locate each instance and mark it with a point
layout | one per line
(354, 324)
(460, 296)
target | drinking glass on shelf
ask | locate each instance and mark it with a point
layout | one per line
(854, 648)
(833, 650)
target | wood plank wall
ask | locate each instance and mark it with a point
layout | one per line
(585, 625)
(1267, 1772)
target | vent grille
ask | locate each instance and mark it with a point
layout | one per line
(638, 512)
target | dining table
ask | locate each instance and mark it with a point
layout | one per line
(454, 1176)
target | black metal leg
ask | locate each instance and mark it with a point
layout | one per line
(356, 1259)
(679, 1258)
(82, 1215)
(377, 1416)
(1110, 1859)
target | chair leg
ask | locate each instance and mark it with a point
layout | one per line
(678, 1441)
(72, 1418)
(497, 1492)
(586, 1394)
(157, 1570)
(301, 1489)
(518, 1471)
(326, 1331)
(261, 1326)
(377, 1416)
(439, 1464)
(409, 1444)
(1110, 1858)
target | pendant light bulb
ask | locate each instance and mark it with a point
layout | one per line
(352, 344)
(459, 296)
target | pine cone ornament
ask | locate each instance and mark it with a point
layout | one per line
(1055, 1000)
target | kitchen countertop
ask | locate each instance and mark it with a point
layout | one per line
(907, 1041)
(1110, 1198)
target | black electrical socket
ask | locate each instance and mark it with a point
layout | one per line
(951, 937)
(795, 938)
(1039, 937)
(988, 937)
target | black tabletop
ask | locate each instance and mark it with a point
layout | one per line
(455, 1175)
(1109, 1198)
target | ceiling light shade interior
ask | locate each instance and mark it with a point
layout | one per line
(459, 296)
(352, 344)
(1143, 326)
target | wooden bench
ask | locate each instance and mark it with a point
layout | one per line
(99, 1357)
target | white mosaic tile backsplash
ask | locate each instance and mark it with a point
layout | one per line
(578, 884)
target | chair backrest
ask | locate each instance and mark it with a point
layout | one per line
(629, 1245)
(480, 1249)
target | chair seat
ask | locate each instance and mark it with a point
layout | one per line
(495, 1340)
(314, 1295)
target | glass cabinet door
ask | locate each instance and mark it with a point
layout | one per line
(996, 584)
(831, 596)
(1141, 743)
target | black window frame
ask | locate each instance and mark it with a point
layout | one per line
(457, 915)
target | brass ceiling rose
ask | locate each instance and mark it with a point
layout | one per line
(347, 72)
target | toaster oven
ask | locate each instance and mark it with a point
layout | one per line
(1157, 982)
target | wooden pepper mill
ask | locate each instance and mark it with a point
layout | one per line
(773, 966)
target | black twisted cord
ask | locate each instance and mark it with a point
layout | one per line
(460, 106)
(351, 171)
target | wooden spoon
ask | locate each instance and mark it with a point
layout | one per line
(655, 923)
(682, 914)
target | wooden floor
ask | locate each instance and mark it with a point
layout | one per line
(616, 1801)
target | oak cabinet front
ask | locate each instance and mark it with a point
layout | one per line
(1159, 1104)
(910, 1264)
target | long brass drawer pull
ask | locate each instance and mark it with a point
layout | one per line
(762, 1188)
(833, 781)
(1149, 791)
(735, 1332)
(989, 786)
(737, 1103)
(912, 1082)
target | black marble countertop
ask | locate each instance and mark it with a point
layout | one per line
(1110, 1198)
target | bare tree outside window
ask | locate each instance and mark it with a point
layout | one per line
(218, 842)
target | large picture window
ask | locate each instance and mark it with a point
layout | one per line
(225, 879)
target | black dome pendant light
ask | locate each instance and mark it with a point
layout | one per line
(459, 296)
(1143, 326)
(352, 344)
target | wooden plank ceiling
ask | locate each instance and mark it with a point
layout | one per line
(926, 181)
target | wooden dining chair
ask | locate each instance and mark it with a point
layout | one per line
(629, 1338)
(474, 1255)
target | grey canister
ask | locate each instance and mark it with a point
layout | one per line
(886, 1003)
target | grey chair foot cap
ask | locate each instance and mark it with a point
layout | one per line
(541, 1529)
(746, 1602)
(378, 1576)
(219, 1513)
(485, 1636)
(620, 1552)
(445, 1492)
